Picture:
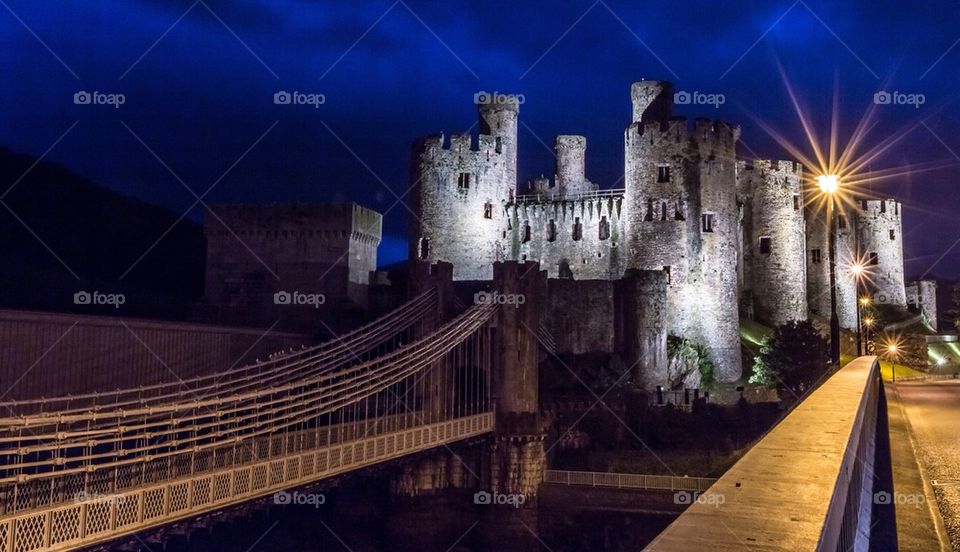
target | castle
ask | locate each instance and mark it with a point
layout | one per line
(718, 237)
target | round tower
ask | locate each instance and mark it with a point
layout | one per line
(498, 118)
(571, 165)
(681, 217)
(818, 264)
(774, 240)
(881, 245)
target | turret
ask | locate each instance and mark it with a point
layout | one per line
(652, 100)
(498, 118)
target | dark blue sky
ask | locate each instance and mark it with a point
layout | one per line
(199, 78)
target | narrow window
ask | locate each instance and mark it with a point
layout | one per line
(883, 206)
(893, 234)
(663, 210)
(488, 210)
(663, 173)
(463, 182)
(649, 215)
(577, 229)
(424, 249)
(765, 245)
(667, 270)
(874, 259)
(815, 256)
(796, 202)
(551, 231)
(526, 232)
(678, 215)
(706, 222)
(604, 228)
(842, 221)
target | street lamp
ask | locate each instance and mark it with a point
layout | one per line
(857, 271)
(867, 326)
(892, 354)
(829, 184)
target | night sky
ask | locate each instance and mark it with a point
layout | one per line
(198, 80)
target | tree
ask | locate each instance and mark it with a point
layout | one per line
(794, 355)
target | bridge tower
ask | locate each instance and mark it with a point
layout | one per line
(517, 458)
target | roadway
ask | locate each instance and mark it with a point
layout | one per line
(933, 411)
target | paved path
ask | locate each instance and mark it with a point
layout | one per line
(933, 412)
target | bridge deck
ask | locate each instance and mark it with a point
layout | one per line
(99, 519)
(779, 495)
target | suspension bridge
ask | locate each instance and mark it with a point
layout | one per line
(84, 469)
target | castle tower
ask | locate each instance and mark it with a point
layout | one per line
(681, 217)
(922, 297)
(571, 165)
(881, 244)
(498, 118)
(818, 263)
(459, 190)
(774, 240)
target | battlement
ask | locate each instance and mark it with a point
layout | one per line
(781, 166)
(887, 207)
(716, 135)
(459, 143)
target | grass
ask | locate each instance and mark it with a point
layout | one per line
(903, 371)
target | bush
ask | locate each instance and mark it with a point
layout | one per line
(686, 356)
(794, 355)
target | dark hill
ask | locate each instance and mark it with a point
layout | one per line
(99, 234)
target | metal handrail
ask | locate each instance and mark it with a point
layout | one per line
(628, 480)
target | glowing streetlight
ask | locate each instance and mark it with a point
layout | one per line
(892, 354)
(828, 183)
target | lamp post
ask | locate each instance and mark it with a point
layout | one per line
(829, 184)
(867, 326)
(856, 270)
(892, 352)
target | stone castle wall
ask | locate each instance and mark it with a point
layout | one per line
(581, 239)
(254, 251)
(774, 279)
(687, 211)
(880, 237)
(922, 296)
(459, 191)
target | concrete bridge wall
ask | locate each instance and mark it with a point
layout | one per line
(807, 485)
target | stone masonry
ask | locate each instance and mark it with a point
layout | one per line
(729, 237)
